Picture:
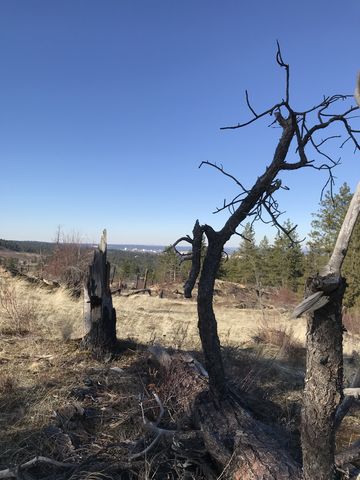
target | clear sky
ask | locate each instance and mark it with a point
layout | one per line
(107, 107)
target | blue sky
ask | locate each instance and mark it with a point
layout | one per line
(107, 107)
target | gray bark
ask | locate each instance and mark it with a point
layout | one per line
(323, 391)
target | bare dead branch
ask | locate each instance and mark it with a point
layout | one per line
(152, 426)
(14, 472)
(352, 392)
(282, 64)
(221, 169)
(248, 104)
(182, 256)
(269, 111)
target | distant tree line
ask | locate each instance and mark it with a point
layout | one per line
(286, 262)
(27, 246)
(162, 268)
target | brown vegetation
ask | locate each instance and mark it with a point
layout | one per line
(58, 402)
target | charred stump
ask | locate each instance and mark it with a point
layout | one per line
(99, 314)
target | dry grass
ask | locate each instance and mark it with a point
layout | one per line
(282, 338)
(57, 401)
(63, 404)
(351, 321)
(173, 322)
(19, 312)
(27, 308)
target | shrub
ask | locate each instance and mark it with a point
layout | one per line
(351, 321)
(282, 337)
(19, 312)
(284, 298)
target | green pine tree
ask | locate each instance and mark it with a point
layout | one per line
(287, 259)
(325, 228)
(243, 265)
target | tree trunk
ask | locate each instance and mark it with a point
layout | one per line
(206, 317)
(324, 358)
(244, 448)
(323, 385)
(145, 279)
(196, 260)
(100, 319)
(240, 447)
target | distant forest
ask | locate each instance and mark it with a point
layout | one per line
(27, 246)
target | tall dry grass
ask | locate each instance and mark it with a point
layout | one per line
(27, 308)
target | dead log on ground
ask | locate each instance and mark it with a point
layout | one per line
(136, 292)
(240, 447)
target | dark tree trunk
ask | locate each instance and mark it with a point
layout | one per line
(99, 314)
(196, 260)
(323, 383)
(206, 317)
(244, 448)
(240, 447)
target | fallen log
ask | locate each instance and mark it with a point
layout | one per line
(241, 447)
(136, 292)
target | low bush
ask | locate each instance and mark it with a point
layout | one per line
(19, 313)
(351, 321)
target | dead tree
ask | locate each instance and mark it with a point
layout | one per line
(194, 256)
(323, 404)
(299, 138)
(99, 314)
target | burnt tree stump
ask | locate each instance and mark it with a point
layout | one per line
(99, 314)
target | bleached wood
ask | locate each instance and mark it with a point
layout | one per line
(357, 90)
(12, 472)
(352, 392)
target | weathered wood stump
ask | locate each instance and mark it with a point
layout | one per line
(99, 314)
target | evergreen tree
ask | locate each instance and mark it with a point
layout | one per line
(243, 265)
(351, 270)
(325, 228)
(287, 264)
(264, 263)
